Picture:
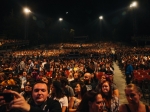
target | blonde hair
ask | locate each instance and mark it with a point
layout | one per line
(133, 87)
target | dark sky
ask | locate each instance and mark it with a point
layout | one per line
(80, 11)
(75, 8)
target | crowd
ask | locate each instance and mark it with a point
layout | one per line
(42, 83)
(10, 41)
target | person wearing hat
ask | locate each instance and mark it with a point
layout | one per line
(27, 93)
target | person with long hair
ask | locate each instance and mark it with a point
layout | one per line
(113, 86)
(74, 102)
(58, 94)
(111, 101)
(133, 95)
(91, 102)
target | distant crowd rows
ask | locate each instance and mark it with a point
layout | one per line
(69, 79)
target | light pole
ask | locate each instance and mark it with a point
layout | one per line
(26, 12)
(101, 19)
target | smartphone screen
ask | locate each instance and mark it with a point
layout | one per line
(8, 97)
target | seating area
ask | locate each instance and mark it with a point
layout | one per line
(142, 79)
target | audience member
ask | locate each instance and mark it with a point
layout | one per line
(133, 95)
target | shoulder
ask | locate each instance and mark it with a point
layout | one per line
(149, 108)
(72, 99)
(65, 97)
(122, 108)
(53, 105)
(68, 87)
(50, 101)
(115, 97)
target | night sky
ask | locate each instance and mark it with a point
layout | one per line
(79, 13)
(82, 9)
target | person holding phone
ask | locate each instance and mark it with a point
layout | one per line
(40, 103)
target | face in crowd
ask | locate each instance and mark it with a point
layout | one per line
(76, 75)
(24, 74)
(105, 87)
(28, 87)
(133, 94)
(44, 79)
(87, 77)
(97, 105)
(77, 88)
(103, 78)
(10, 76)
(40, 93)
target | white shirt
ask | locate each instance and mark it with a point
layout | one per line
(63, 101)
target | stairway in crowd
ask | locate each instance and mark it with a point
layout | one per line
(119, 80)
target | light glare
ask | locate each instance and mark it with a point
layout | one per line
(101, 17)
(134, 4)
(26, 10)
(60, 19)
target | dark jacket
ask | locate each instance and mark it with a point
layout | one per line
(49, 106)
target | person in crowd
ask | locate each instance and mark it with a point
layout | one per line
(103, 68)
(30, 78)
(10, 76)
(91, 102)
(27, 93)
(22, 65)
(43, 63)
(48, 73)
(90, 68)
(30, 65)
(111, 101)
(94, 79)
(69, 92)
(76, 80)
(45, 79)
(74, 102)
(2, 77)
(47, 65)
(23, 80)
(101, 80)
(133, 96)
(16, 79)
(88, 83)
(40, 102)
(128, 72)
(36, 66)
(109, 71)
(57, 93)
(70, 77)
(114, 88)
(34, 74)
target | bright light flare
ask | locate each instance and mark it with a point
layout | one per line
(101, 17)
(134, 4)
(26, 10)
(60, 19)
